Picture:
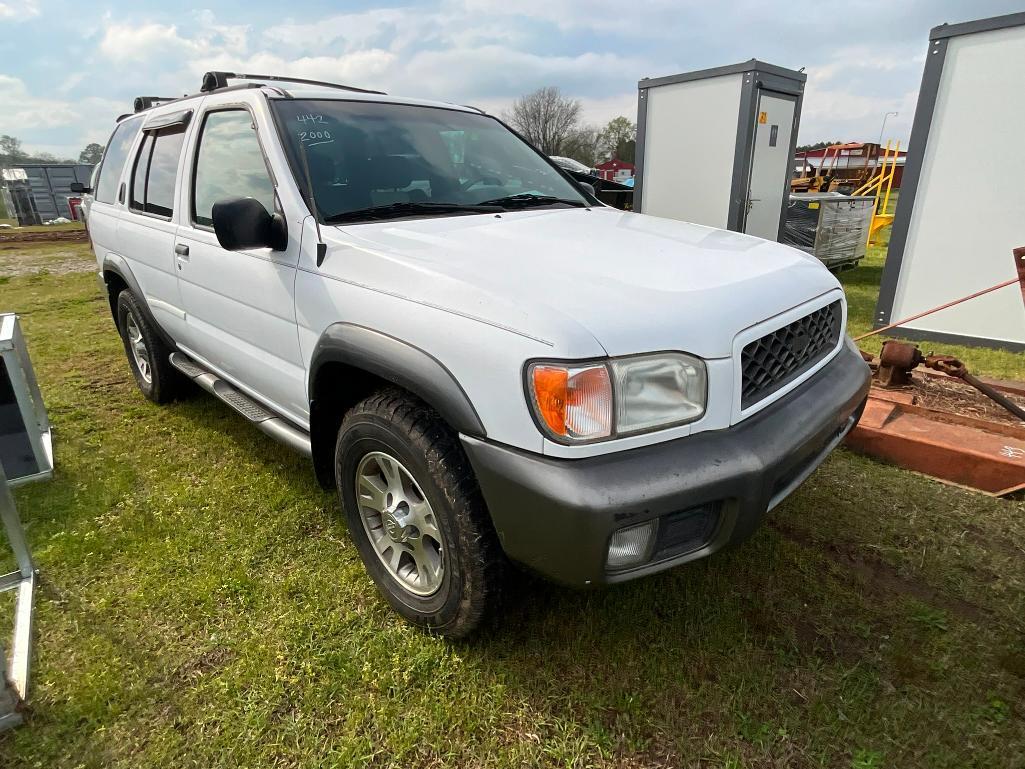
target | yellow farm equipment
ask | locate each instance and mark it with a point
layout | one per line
(880, 186)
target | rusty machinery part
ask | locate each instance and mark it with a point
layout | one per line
(1019, 263)
(897, 360)
(951, 366)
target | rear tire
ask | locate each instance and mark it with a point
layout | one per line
(148, 354)
(420, 523)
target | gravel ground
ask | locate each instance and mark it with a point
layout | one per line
(56, 259)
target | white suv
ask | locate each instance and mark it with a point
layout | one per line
(486, 362)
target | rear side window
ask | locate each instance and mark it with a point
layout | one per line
(229, 164)
(114, 159)
(155, 170)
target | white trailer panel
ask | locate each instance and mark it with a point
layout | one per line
(962, 210)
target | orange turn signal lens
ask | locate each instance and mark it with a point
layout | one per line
(574, 403)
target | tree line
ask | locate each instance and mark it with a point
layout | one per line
(546, 118)
(551, 122)
(12, 153)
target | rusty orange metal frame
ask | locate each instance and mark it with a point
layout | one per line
(983, 455)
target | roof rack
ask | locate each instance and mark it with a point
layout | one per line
(145, 102)
(213, 81)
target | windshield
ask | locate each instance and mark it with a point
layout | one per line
(405, 160)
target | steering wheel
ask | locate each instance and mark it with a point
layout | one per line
(478, 179)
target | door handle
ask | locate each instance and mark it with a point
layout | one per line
(181, 254)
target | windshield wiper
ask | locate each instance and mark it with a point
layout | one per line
(410, 208)
(530, 200)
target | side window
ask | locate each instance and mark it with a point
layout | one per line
(137, 195)
(155, 170)
(229, 164)
(114, 159)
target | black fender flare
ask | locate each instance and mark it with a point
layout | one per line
(400, 363)
(119, 266)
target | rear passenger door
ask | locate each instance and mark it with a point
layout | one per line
(105, 208)
(239, 305)
(147, 230)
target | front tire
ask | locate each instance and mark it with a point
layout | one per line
(416, 514)
(148, 354)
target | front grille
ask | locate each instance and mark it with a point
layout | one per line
(774, 360)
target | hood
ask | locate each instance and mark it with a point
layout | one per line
(568, 277)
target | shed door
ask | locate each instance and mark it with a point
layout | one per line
(770, 164)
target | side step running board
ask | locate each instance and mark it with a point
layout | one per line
(264, 420)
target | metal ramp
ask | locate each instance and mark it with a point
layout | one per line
(26, 454)
(14, 686)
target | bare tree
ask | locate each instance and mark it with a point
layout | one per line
(583, 144)
(545, 117)
(10, 149)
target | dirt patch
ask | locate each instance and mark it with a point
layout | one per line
(13, 236)
(949, 394)
(208, 662)
(882, 578)
(31, 260)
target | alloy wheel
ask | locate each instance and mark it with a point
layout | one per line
(140, 353)
(400, 523)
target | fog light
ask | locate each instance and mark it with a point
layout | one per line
(629, 546)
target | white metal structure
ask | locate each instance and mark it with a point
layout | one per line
(26, 454)
(547, 333)
(951, 236)
(714, 147)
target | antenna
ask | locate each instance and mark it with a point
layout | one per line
(321, 245)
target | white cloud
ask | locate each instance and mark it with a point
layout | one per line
(348, 30)
(487, 52)
(23, 11)
(125, 42)
(28, 116)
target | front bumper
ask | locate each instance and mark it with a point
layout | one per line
(708, 490)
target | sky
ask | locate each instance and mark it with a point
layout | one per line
(68, 69)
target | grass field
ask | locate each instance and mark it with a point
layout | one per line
(201, 605)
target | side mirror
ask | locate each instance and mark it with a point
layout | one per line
(243, 223)
(80, 188)
(589, 188)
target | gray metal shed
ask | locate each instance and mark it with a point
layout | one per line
(715, 146)
(49, 187)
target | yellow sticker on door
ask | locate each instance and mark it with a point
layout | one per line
(763, 118)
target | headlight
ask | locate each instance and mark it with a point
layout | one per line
(654, 391)
(596, 401)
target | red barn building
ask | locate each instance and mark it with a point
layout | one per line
(615, 170)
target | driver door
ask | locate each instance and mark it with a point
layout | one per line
(239, 305)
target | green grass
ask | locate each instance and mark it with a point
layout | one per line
(201, 605)
(862, 288)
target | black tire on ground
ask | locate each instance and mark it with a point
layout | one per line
(164, 382)
(395, 423)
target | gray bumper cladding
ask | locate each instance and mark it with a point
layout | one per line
(556, 516)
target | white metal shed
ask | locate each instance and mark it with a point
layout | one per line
(961, 209)
(715, 146)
